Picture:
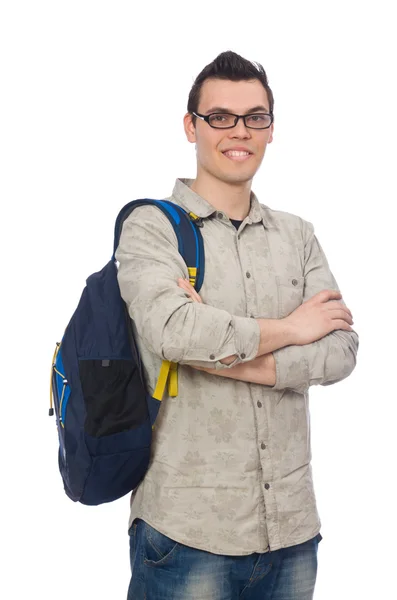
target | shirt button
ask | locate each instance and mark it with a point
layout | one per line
(263, 446)
(294, 282)
(248, 274)
(243, 355)
(259, 404)
(220, 215)
(212, 357)
(267, 486)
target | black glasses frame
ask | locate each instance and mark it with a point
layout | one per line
(206, 118)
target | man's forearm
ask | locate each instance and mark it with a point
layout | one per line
(323, 362)
(261, 370)
(274, 334)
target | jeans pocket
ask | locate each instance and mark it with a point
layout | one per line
(159, 549)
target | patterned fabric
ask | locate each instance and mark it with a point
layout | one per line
(230, 467)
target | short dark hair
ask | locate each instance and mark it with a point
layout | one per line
(232, 66)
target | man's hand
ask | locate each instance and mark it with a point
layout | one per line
(189, 289)
(317, 317)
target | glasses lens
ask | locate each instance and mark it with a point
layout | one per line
(218, 120)
(258, 121)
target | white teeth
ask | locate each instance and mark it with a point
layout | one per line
(236, 153)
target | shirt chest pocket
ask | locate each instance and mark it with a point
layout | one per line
(290, 293)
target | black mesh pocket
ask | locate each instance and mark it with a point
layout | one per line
(114, 396)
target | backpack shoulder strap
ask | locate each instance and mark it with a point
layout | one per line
(186, 227)
(191, 247)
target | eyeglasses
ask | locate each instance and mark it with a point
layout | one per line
(227, 120)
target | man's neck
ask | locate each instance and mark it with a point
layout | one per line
(232, 199)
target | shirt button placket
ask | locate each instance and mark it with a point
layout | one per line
(265, 462)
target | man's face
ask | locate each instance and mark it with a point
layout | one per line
(238, 97)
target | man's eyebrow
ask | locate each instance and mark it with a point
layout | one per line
(222, 109)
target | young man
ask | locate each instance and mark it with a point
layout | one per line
(227, 508)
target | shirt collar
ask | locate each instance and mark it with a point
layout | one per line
(192, 202)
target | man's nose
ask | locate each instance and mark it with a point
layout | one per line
(240, 129)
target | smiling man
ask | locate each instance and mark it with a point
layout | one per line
(227, 509)
(228, 152)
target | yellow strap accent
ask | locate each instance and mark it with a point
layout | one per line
(195, 217)
(162, 380)
(192, 275)
(170, 369)
(173, 381)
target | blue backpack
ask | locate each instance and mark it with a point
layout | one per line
(104, 413)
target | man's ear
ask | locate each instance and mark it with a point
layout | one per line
(190, 129)
(271, 133)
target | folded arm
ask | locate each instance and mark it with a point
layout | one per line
(174, 327)
(331, 358)
(322, 362)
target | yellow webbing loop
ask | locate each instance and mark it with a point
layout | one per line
(162, 380)
(171, 369)
(192, 275)
(168, 368)
(173, 381)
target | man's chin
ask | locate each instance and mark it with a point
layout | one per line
(236, 178)
(231, 176)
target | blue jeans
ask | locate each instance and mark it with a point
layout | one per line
(163, 569)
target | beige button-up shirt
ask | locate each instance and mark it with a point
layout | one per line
(230, 465)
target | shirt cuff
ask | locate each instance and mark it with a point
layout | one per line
(247, 337)
(292, 369)
(243, 342)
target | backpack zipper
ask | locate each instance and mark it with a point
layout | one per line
(61, 404)
(53, 389)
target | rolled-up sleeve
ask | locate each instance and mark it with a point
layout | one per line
(171, 325)
(333, 357)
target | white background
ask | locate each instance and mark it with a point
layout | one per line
(78, 79)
